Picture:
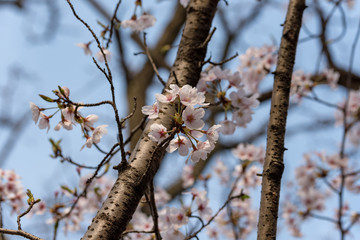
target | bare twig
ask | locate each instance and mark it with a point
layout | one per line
(20, 233)
(152, 61)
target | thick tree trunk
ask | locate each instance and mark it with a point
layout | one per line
(274, 166)
(116, 212)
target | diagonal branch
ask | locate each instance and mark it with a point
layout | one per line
(117, 210)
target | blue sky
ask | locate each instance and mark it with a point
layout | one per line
(59, 61)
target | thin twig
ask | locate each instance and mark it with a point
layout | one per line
(20, 233)
(26, 212)
(152, 61)
(112, 23)
(154, 212)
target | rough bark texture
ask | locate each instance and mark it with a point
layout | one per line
(274, 165)
(117, 210)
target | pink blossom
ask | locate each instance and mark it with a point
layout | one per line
(139, 24)
(212, 232)
(301, 83)
(187, 176)
(192, 117)
(39, 208)
(190, 96)
(35, 111)
(242, 116)
(68, 113)
(334, 161)
(85, 47)
(181, 143)
(158, 132)
(213, 133)
(44, 121)
(203, 208)
(98, 133)
(201, 151)
(332, 77)
(96, 136)
(89, 121)
(152, 111)
(227, 127)
(239, 99)
(178, 217)
(249, 152)
(235, 80)
(100, 55)
(312, 198)
(68, 125)
(161, 196)
(170, 95)
(11, 190)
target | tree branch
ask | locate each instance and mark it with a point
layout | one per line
(117, 210)
(274, 166)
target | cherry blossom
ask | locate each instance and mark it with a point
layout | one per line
(242, 116)
(170, 94)
(301, 84)
(193, 117)
(98, 133)
(35, 111)
(68, 125)
(85, 47)
(227, 127)
(161, 196)
(11, 190)
(332, 77)
(44, 121)
(213, 133)
(139, 24)
(96, 136)
(158, 132)
(249, 152)
(88, 122)
(178, 217)
(201, 151)
(100, 55)
(96, 192)
(333, 161)
(190, 96)
(181, 143)
(187, 176)
(152, 111)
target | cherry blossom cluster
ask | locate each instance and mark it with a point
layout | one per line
(310, 197)
(231, 95)
(188, 121)
(138, 24)
(352, 117)
(11, 190)
(172, 220)
(177, 222)
(244, 178)
(69, 115)
(256, 63)
(95, 194)
(302, 83)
